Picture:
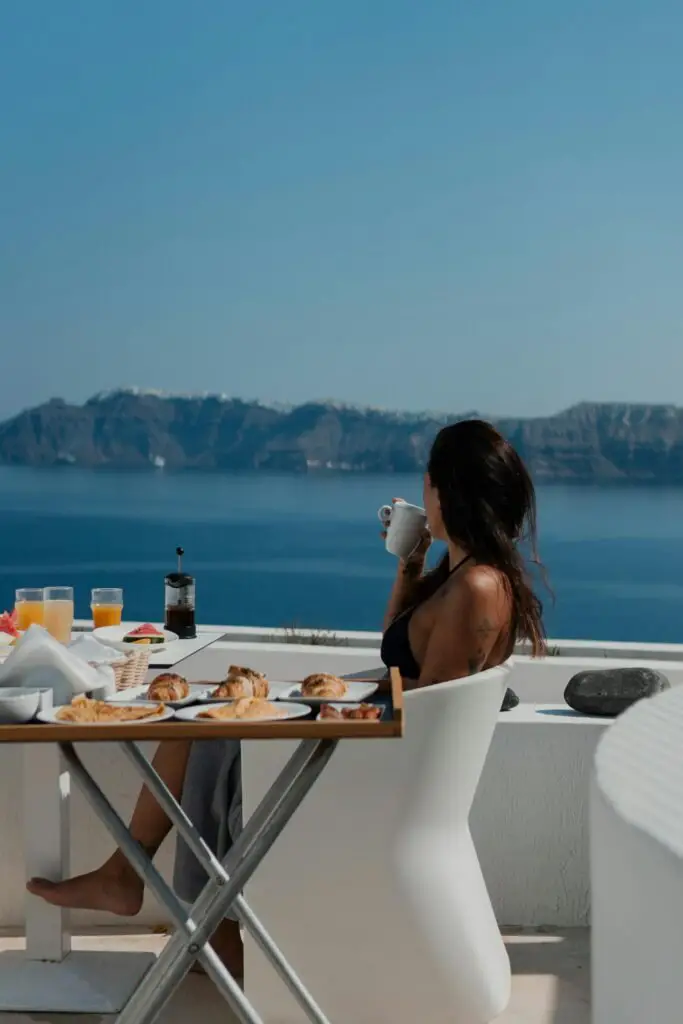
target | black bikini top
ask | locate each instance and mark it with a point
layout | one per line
(396, 651)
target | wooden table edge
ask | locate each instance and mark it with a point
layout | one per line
(293, 729)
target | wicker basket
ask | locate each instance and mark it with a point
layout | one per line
(131, 670)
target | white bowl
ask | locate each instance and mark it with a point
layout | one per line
(18, 704)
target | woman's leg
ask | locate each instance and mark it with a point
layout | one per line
(115, 887)
(212, 798)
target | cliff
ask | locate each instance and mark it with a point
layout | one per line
(134, 428)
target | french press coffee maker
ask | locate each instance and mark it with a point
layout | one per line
(179, 597)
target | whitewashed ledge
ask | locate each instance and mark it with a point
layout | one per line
(369, 640)
(637, 866)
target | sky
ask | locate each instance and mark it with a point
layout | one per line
(435, 205)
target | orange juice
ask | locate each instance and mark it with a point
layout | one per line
(59, 618)
(106, 615)
(29, 613)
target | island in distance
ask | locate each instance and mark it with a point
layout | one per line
(133, 428)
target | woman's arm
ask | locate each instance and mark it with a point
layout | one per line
(470, 619)
(407, 575)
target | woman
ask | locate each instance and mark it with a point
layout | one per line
(463, 617)
(467, 614)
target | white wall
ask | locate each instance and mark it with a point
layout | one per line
(637, 866)
(529, 817)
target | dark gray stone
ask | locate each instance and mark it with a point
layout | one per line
(610, 691)
(510, 700)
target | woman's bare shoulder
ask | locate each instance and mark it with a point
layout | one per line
(481, 586)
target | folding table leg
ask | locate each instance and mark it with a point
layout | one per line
(136, 856)
(260, 832)
(219, 875)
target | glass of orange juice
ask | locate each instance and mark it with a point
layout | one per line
(107, 606)
(29, 607)
(58, 612)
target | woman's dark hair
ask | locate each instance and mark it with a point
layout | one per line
(488, 505)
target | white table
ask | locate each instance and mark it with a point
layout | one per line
(49, 976)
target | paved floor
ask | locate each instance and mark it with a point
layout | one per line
(550, 980)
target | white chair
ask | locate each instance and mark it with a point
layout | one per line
(374, 890)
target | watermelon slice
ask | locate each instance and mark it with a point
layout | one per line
(144, 634)
(8, 624)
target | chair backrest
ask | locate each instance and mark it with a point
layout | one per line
(449, 729)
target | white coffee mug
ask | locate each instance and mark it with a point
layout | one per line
(405, 525)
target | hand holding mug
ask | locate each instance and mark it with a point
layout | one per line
(405, 530)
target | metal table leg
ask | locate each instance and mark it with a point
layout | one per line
(219, 877)
(268, 820)
(163, 892)
(191, 941)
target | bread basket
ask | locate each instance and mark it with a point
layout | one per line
(131, 669)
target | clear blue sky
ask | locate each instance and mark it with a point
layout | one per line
(440, 205)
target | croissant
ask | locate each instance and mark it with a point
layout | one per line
(242, 683)
(240, 670)
(168, 686)
(323, 685)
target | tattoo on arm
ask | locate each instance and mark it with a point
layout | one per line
(485, 628)
(484, 631)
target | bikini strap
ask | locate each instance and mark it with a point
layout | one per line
(460, 564)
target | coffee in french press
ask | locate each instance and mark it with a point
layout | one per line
(179, 602)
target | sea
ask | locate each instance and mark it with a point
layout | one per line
(305, 551)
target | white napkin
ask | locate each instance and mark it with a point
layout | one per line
(38, 661)
(88, 648)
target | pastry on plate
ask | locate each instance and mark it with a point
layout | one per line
(242, 682)
(168, 686)
(144, 634)
(82, 710)
(244, 708)
(363, 713)
(324, 685)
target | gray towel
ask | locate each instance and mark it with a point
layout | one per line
(212, 799)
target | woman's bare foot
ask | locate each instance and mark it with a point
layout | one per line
(227, 943)
(114, 888)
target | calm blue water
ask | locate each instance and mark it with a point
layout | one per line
(278, 551)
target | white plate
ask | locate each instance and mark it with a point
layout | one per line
(137, 694)
(50, 717)
(113, 635)
(276, 691)
(340, 707)
(356, 693)
(291, 711)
